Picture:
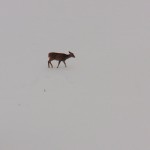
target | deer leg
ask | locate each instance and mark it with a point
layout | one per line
(65, 63)
(49, 62)
(58, 64)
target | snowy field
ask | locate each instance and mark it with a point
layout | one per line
(100, 101)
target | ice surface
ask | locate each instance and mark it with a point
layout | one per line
(100, 101)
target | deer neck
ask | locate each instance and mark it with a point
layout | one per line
(68, 56)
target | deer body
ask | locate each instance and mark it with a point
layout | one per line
(59, 57)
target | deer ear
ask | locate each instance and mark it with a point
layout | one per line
(69, 52)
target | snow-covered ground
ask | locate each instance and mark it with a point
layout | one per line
(100, 101)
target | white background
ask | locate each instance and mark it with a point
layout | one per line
(101, 101)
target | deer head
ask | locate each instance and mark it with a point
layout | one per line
(71, 54)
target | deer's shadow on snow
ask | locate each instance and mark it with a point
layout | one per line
(61, 68)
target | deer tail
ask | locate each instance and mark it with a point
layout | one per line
(49, 55)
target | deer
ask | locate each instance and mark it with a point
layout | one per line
(59, 57)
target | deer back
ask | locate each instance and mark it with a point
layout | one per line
(57, 56)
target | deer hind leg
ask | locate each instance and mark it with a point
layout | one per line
(58, 64)
(49, 62)
(65, 63)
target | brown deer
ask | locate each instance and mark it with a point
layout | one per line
(59, 57)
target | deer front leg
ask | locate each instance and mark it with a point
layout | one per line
(58, 64)
(65, 63)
